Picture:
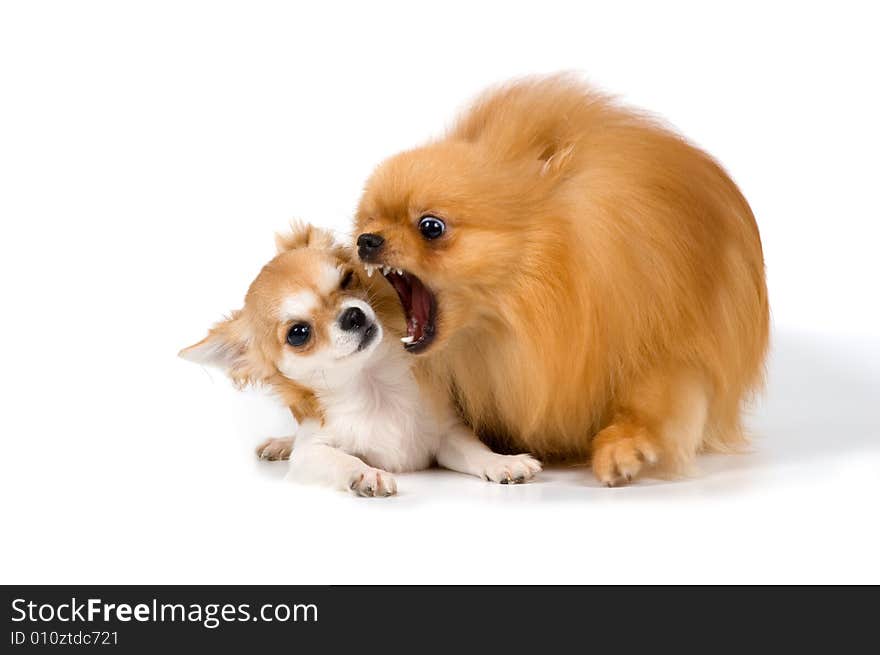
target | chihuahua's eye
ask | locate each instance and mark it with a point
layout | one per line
(346, 280)
(431, 227)
(299, 334)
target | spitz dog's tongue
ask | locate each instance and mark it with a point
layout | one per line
(418, 305)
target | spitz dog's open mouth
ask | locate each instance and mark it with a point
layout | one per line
(419, 306)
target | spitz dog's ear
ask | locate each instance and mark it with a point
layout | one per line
(227, 347)
(555, 159)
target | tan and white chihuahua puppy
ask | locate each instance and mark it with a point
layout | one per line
(309, 329)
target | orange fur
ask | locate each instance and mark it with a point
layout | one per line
(599, 273)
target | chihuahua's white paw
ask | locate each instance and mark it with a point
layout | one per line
(511, 469)
(275, 449)
(373, 482)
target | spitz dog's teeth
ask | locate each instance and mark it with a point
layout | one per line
(385, 270)
(369, 270)
(407, 339)
(399, 272)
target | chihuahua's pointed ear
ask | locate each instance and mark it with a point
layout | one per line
(225, 347)
(304, 235)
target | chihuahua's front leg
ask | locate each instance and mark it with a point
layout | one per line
(275, 448)
(462, 451)
(315, 460)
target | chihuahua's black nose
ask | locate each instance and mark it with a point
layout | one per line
(352, 319)
(369, 245)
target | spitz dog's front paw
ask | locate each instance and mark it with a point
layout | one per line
(511, 469)
(373, 482)
(621, 451)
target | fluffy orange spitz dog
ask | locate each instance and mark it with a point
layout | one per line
(581, 280)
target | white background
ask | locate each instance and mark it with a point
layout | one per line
(149, 150)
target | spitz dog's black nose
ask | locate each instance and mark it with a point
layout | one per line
(369, 245)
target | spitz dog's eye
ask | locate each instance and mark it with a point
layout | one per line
(346, 280)
(431, 227)
(299, 334)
